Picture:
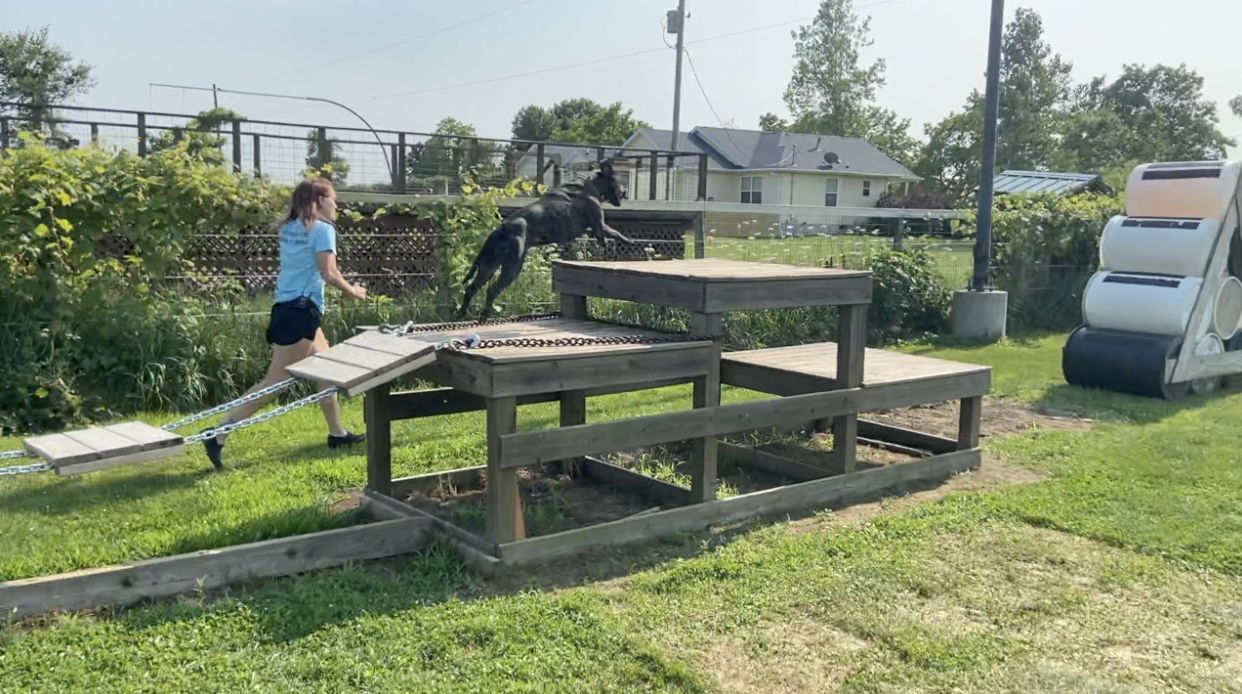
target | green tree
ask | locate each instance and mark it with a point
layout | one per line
(832, 93)
(200, 135)
(772, 123)
(577, 121)
(1035, 90)
(1152, 114)
(335, 167)
(37, 74)
(1235, 105)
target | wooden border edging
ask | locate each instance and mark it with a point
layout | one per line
(126, 584)
(817, 493)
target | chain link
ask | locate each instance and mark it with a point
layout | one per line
(412, 328)
(276, 412)
(218, 409)
(22, 469)
(458, 344)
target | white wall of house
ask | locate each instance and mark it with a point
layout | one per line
(796, 188)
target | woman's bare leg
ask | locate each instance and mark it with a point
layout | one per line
(283, 356)
(331, 408)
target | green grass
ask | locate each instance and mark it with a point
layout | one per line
(1120, 570)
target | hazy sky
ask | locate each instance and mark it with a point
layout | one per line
(936, 52)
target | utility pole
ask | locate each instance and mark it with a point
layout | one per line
(983, 229)
(677, 24)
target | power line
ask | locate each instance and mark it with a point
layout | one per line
(420, 36)
(593, 62)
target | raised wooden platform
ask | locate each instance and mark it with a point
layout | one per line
(506, 371)
(812, 368)
(713, 285)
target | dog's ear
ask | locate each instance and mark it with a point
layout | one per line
(605, 168)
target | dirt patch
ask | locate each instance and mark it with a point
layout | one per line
(552, 502)
(350, 503)
(999, 418)
(799, 656)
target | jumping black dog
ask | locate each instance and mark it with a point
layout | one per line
(557, 218)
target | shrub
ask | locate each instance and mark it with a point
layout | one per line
(1046, 247)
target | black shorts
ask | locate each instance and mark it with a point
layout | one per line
(292, 321)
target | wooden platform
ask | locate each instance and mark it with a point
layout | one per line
(510, 371)
(813, 368)
(713, 285)
(365, 361)
(100, 448)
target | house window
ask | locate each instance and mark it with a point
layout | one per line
(752, 190)
(830, 194)
(866, 189)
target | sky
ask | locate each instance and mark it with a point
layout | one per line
(405, 64)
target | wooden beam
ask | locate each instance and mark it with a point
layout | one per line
(377, 414)
(823, 493)
(851, 348)
(131, 583)
(436, 402)
(906, 437)
(657, 490)
(772, 464)
(528, 448)
(383, 507)
(460, 477)
(504, 504)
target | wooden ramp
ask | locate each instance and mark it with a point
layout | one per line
(365, 361)
(100, 448)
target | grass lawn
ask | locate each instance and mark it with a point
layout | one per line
(1100, 557)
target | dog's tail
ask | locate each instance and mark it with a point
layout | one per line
(489, 246)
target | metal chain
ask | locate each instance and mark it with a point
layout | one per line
(218, 409)
(283, 409)
(409, 328)
(459, 344)
(22, 469)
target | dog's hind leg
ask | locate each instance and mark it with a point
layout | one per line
(510, 268)
(482, 274)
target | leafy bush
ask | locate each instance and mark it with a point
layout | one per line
(1046, 247)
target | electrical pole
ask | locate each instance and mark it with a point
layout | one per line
(983, 228)
(677, 23)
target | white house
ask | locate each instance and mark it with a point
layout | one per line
(744, 166)
(770, 168)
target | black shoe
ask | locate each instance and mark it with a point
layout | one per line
(214, 449)
(347, 440)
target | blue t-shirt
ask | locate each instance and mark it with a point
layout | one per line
(299, 262)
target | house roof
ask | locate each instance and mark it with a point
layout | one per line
(734, 149)
(1017, 182)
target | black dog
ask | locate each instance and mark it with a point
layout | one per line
(560, 216)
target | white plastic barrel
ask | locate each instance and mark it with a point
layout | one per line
(1136, 302)
(1182, 189)
(1169, 246)
(1227, 308)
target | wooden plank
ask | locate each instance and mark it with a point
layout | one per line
(660, 291)
(823, 493)
(504, 505)
(147, 436)
(399, 346)
(705, 449)
(573, 411)
(706, 270)
(383, 377)
(818, 362)
(107, 463)
(384, 507)
(375, 411)
(369, 359)
(747, 295)
(685, 360)
(59, 449)
(460, 477)
(434, 402)
(906, 437)
(131, 583)
(323, 371)
(636, 482)
(108, 444)
(535, 447)
(851, 348)
(774, 464)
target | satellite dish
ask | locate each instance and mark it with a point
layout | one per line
(832, 158)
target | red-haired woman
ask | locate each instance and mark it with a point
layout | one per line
(307, 265)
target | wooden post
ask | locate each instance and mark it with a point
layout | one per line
(700, 237)
(969, 423)
(4, 132)
(504, 505)
(539, 162)
(702, 178)
(258, 159)
(142, 134)
(237, 166)
(898, 234)
(400, 182)
(851, 346)
(95, 134)
(655, 173)
(325, 149)
(573, 402)
(703, 460)
(379, 439)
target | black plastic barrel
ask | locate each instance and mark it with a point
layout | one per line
(1122, 362)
